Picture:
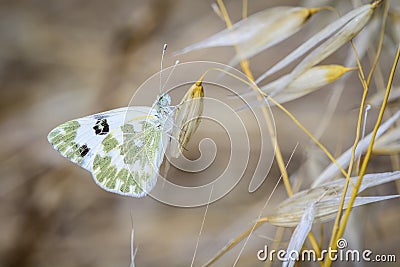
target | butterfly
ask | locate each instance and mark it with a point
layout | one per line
(122, 148)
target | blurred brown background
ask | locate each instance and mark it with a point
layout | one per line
(61, 60)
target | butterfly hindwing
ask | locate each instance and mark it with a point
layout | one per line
(122, 148)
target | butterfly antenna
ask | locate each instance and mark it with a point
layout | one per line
(170, 74)
(161, 65)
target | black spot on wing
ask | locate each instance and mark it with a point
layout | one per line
(83, 150)
(101, 127)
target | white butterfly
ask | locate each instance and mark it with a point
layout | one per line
(122, 148)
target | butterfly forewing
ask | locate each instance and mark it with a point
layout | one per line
(122, 148)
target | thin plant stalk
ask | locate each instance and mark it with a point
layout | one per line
(245, 4)
(381, 36)
(346, 185)
(275, 246)
(235, 241)
(365, 84)
(364, 165)
(246, 69)
(395, 160)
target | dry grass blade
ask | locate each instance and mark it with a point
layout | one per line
(290, 211)
(300, 234)
(344, 159)
(258, 32)
(133, 252)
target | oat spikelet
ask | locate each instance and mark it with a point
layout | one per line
(187, 118)
(259, 31)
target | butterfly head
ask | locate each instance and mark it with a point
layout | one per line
(164, 100)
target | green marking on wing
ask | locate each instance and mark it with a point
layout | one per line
(123, 176)
(109, 143)
(150, 138)
(108, 175)
(53, 133)
(138, 152)
(104, 171)
(128, 129)
(63, 139)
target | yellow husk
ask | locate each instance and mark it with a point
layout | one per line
(187, 118)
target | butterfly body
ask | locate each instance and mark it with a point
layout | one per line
(122, 148)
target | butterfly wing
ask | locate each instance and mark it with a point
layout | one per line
(122, 148)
